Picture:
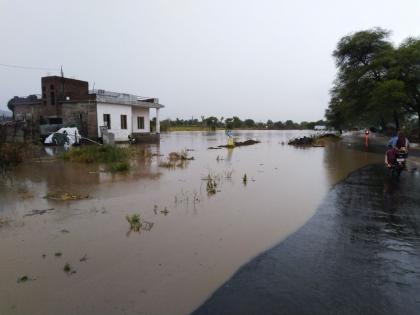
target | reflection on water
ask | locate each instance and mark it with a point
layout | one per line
(197, 241)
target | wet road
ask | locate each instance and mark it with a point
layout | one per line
(359, 254)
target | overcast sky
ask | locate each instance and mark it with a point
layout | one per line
(261, 59)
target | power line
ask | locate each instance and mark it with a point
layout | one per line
(28, 67)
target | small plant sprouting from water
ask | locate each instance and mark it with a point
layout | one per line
(135, 221)
(244, 179)
(58, 254)
(211, 186)
(68, 269)
(176, 159)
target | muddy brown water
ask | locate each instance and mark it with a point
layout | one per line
(191, 249)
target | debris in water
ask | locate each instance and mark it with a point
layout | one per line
(26, 195)
(3, 222)
(38, 212)
(315, 141)
(58, 254)
(64, 196)
(25, 279)
(84, 258)
(241, 144)
(65, 231)
(164, 211)
(155, 208)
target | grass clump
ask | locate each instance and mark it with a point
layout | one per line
(11, 154)
(115, 158)
(135, 221)
(176, 159)
(119, 167)
(211, 186)
(68, 269)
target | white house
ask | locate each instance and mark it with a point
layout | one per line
(126, 114)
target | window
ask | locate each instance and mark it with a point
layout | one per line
(140, 122)
(51, 87)
(107, 120)
(52, 98)
(43, 88)
(123, 121)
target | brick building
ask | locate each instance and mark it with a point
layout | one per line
(68, 102)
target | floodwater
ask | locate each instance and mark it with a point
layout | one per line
(359, 254)
(197, 240)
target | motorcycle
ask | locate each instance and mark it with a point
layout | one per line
(399, 163)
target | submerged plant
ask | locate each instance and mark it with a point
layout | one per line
(119, 167)
(22, 279)
(115, 158)
(135, 221)
(211, 186)
(67, 268)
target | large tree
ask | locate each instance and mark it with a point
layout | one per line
(365, 61)
(408, 71)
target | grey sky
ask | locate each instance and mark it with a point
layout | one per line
(255, 59)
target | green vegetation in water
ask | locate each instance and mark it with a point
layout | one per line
(211, 186)
(22, 279)
(245, 179)
(115, 158)
(176, 159)
(119, 167)
(58, 254)
(135, 221)
(11, 154)
(68, 268)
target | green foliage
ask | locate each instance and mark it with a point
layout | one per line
(119, 167)
(211, 122)
(376, 83)
(135, 221)
(211, 186)
(116, 158)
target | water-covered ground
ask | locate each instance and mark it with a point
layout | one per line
(359, 254)
(196, 243)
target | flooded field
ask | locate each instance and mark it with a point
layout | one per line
(193, 241)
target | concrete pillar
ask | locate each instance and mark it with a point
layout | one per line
(157, 121)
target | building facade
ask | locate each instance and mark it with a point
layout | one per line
(68, 102)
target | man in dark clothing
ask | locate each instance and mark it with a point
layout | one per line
(390, 156)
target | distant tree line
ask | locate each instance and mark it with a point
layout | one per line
(213, 123)
(377, 84)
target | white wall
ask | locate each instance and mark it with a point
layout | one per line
(145, 112)
(115, 111)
